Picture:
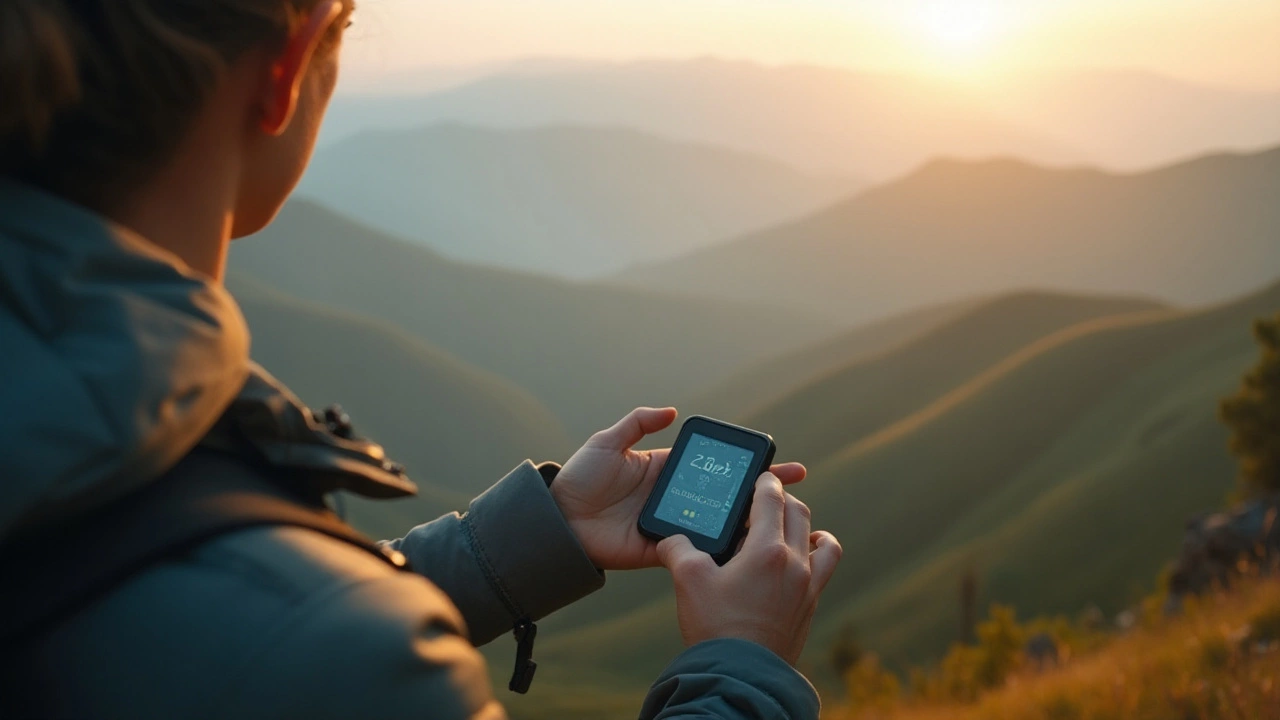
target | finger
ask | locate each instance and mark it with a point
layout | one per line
(823, 560)
(790, 473)
(631, 429)
(797, 527)
(767, 508)
(681, 558)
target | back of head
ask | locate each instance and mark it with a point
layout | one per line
(94, 94)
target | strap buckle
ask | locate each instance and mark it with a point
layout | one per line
(522, 677)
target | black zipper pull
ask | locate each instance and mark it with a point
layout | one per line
(522, 677)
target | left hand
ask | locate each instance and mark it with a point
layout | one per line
(604, 486)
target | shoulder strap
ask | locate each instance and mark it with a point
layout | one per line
(211, 493)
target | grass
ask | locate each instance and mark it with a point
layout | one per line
(1219, 660)
(1064, 475)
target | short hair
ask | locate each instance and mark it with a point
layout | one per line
(96, 94)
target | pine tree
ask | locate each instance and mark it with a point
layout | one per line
(1253, 415)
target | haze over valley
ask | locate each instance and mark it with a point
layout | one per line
(994, 313)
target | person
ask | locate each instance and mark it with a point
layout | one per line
(137, 138)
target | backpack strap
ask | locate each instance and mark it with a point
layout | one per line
(50, 577)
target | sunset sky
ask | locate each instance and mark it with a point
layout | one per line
(1224, 42)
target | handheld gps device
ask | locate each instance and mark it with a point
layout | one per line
(705, 489)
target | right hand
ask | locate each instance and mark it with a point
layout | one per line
(768, 592)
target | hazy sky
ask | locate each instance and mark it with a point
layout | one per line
(1231, 42)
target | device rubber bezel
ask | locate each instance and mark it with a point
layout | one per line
(722, 547)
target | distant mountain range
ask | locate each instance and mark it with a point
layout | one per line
(814, 118)
(868, 125)
(588, 352)
(1195, 232)
(568, 201)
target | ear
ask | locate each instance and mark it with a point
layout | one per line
(284, 86)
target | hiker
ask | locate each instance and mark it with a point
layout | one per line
(164, 537)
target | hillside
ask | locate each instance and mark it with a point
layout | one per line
(758, 386)
(875, 126)
(831, 411)
(1193, 233)
(1063, 472)
(566, 201)
(589, 352)
(456, 428)
(1190, 666)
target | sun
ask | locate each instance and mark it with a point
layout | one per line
(960, 25)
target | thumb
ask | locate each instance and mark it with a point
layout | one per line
(677, 552)
(634, 427)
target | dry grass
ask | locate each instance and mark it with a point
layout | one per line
(1220, 659)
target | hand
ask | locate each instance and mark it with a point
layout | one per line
(604, 486)
(768, 592)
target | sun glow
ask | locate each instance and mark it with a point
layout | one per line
(960, 25)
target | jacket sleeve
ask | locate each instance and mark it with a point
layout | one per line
(510, 557)
(730, 680)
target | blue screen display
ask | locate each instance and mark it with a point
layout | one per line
(704, 485)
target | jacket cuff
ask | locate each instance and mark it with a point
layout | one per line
(529, 555)
(732, 678)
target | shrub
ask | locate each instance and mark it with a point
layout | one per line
(871, 686)
(1253, 414)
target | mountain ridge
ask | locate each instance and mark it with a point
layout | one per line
(1193, 232)
(568, 201)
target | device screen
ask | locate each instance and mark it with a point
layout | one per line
(704, 485)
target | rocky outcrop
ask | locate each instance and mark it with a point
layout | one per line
(1218, 546)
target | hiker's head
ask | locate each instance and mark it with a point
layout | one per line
(97, 97)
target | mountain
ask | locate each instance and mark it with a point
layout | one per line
(1062, 474)
(1062, 471)
(569, 201)
(870, 125)
(1133, 120)
(1193, 233)
(834, 409)
(588, 352)
(759, 386)
(818, 119)
(456, 428)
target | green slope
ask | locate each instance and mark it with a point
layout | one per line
(1064, 474)
(456, 428)
(758, 386)
(1195, 233)
(822, 419)
(848, 403)
(575, 201)
(589, 352)
(1063, 471)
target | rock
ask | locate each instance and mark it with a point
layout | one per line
(1216, 546)
(1126, 620)
(1042, 651)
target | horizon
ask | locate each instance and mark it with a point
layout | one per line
(967, 42)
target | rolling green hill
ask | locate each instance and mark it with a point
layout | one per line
(566, 201)
(588, 352)
(1062, 471)
(753, 388)
(456, 428)
(1192, 233)
(833, 410)
(1063, 474)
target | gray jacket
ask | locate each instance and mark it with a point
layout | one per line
(115, 361)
